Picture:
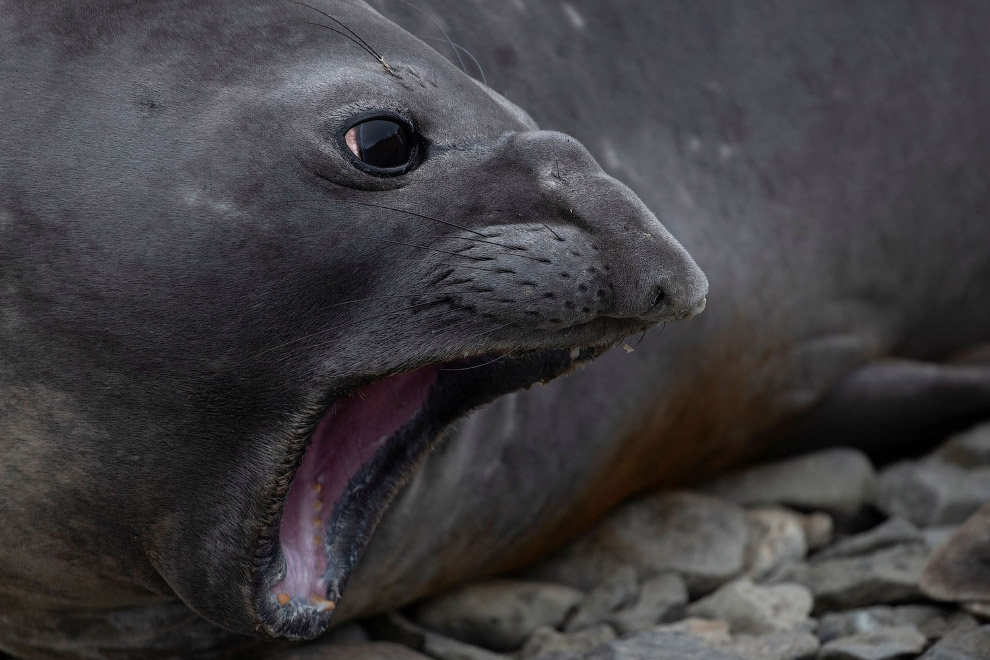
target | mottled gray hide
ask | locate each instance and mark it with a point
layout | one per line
(179, 232)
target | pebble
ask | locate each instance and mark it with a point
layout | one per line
(835, 480)
(660, 645)
(372, 651)
(880, 644)
(548, 644)
(893, 531)
(711, 631)
(886, 576)
(619, 589)
(702, 538)
(661, 600)
(957, 570)
(819, 529)
(394, 627)
(932, 622)
(973, 644)
(755, 609)
(497, 614)
(932, 492)
(967, 449)
(782, 645)
(776, 537)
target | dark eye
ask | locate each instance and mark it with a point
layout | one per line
(385, 145)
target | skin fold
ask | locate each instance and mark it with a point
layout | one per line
(177, 232)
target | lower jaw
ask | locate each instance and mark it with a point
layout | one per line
(298, 587)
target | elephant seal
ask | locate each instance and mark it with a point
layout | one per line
(201, 277)
(256, 256)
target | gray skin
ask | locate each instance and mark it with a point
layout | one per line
(175, 232)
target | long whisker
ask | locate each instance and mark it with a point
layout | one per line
(355, 37)
(477, 64)
(442, 31)
(477, 366)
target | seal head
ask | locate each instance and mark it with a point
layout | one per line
(262, 274)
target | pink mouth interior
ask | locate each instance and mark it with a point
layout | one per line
(346, 440)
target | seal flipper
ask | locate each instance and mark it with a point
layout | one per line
(895, 408)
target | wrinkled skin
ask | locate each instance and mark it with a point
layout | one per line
(172, 239)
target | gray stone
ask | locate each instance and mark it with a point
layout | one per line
(373, 651)
(660, 645)
(835, 480)
(972, 644)
(936, 536)
(819, 528)
(893, 531)
(980, 609)
(932, 492)
(776, 537)
(932, 622)
(782, 645)
(710, 631)
(751, 608)
(957, 570)
(700, 537)
(348, 633)
(967, 449)
(661, 599)
(880, 644)
(497, 614)
(394, 627)
(886, 576)
(618, 590)
(548, 644)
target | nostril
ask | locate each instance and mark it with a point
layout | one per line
(661, 297)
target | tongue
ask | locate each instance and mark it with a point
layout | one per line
(346, 439)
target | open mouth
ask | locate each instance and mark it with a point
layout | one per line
(362, 450)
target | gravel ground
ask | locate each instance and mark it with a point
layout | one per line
(818, 557)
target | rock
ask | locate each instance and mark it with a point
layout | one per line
(497, 614)
(751, 608)
(348, 633)
(967, 449)
(957, 570)
(394, 627)
(882, 577)
(659, 645)
(548, 644)
(880, 644)
(973, 644)
(618, 590)
(936, 536)
(700, 537)
(783, 645)
(776, 537)
(978, 609)
(818, 529)
(661, 599)
(891, 532)
(835, 480)
(709, 631)
(932, 622)
(374, 651)
(932, 492)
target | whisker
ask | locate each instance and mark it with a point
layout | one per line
(552, 231)
(506, 325)
(351, 34)
(484, 79)
(442, 31)
(478, 366)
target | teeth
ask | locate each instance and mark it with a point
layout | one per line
(321, 603)
(283, 599)
(575, 353)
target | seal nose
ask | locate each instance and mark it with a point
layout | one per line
(662, 283)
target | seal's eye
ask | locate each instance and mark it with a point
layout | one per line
(383, 144)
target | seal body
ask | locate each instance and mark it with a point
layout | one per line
(183, 239)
